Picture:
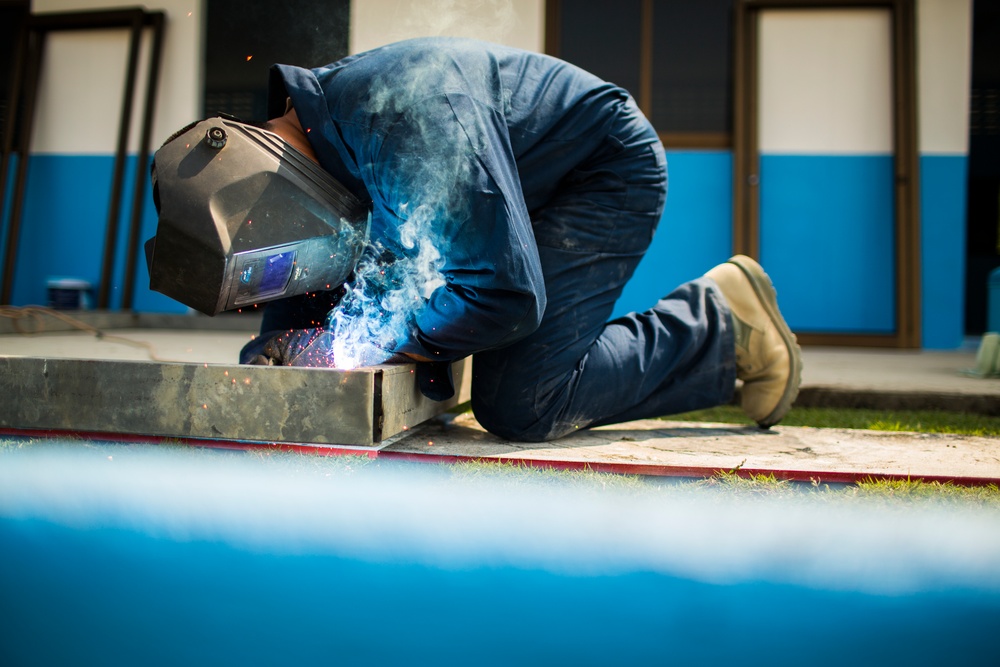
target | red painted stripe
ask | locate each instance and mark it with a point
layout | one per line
(651, 470)
(240, 445)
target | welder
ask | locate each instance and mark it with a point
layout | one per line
(520, 192)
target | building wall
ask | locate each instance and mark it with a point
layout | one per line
(76, 133)
(832, 252)
(74, 140)
(944, 65)
(518, 23)
(826, 168)
(76, 127)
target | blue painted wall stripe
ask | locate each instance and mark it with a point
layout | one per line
(943, 195)
(64, 225)
(695, 232)
(827, 240)
(827, 218)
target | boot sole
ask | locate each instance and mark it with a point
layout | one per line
(764, 289)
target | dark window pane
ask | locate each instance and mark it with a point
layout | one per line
(12, 15)
(692, 66)
(603, 38)
(243, 38)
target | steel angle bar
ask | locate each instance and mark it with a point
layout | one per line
(213, 401)
(402, 406)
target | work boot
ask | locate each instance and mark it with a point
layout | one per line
(768, 358)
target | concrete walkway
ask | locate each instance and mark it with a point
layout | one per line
(832, 376)
(689, 449)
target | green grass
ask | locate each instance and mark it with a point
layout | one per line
(921, 421)
(869, 491)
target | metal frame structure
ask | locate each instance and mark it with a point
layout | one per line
(20, 114)
(746, 157)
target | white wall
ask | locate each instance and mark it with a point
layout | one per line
(519, 23)
(80, 92)
(826, 81)
(83, 78)
(81, 87)
(944, 64)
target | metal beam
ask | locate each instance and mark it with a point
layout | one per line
(270, 404)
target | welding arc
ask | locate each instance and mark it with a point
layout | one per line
(35, 314)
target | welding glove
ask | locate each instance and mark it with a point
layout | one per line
(435, 380)
(295, 347)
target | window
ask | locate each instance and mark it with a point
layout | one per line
(674, 56)
(243, 38)
(12, 15)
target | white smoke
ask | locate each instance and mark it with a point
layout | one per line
(373, 317)
(433, 175)
(488, 20)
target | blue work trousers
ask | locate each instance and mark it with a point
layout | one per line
(578, 369)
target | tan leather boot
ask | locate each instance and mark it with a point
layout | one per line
(768, 358)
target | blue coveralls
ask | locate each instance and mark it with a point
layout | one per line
(546, 185)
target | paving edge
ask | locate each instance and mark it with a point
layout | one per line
(880, 399)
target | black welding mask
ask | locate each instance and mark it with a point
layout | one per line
(245, 218)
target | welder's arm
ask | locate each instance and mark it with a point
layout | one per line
(494, 292)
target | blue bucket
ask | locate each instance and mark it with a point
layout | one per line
(69, 294)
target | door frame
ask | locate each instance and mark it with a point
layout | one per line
(906, 196)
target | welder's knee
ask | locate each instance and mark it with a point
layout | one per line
(515, 397)
(506, 423)
(514, 416)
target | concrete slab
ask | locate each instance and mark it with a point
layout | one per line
(94, 397)
(688, 449)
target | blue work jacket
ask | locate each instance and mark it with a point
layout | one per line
(472, 136)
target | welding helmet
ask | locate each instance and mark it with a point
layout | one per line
(246, 218)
